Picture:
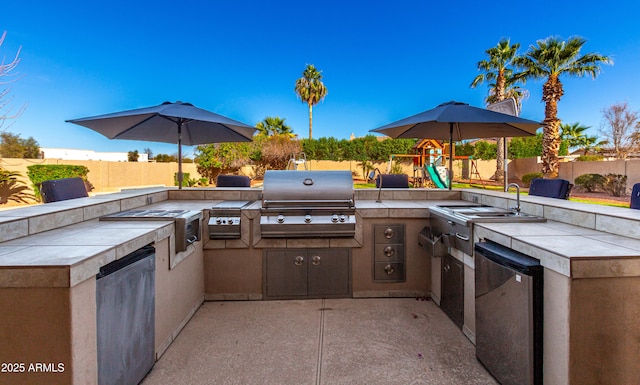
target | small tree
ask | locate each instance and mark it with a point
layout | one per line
(621, 129)
(165, 158)
(221, 158)
(274, 125)
(132, 156)
(275, 152)
(6, 71)
(13, 146)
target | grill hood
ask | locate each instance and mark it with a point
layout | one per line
(307, 188)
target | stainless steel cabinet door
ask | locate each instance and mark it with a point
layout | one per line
(286, 273)
(329, 272)
(452, 301)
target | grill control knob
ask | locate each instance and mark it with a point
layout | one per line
(218, 221)
(334, 218)
(389, 251)
(280, 218)
(343, 218)
(307, 218)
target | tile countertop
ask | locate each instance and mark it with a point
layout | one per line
(70, 254)
(67, 256)
(573, 251)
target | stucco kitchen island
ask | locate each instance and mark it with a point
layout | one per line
(50, 254)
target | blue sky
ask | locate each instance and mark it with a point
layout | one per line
(381, 60)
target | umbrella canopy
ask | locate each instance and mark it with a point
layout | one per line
(458, 121)
(169, 123)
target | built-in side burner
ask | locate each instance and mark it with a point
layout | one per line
(224, 219)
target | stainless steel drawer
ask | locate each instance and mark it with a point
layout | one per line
(388, 234)
(385, 252)
(388, 271)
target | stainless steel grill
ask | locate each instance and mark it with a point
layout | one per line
(300, 204)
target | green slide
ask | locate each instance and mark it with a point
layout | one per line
(435, 177)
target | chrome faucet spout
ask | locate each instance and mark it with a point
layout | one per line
(379, 200)
(516, 209)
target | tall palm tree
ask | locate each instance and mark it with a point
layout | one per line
(274, 125)
(551, 58)
(311, 90)
(497, 68)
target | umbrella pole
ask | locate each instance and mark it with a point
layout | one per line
(180, 155)
(450, 155)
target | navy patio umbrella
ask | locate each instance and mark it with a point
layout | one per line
(457, 121)
(170, 123)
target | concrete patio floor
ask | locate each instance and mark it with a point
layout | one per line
(320, 341)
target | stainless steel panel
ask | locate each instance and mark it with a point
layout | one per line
(460, 233)
(307, 273)
(125, 319)
(329, 273)
(508, 330)
(452, 291)
(282, 187)
(286, 273)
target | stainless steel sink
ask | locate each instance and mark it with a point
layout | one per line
(484, 213)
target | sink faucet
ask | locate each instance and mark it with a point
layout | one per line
(516, 209)
(379, 200)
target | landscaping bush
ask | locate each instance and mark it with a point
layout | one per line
(615, 184)
(39, 173)
(590, 182)
(527, 178)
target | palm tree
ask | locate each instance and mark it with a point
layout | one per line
(311, 90)
(576, 136)
(498, 68)
(550, 59)
(12, 189)
(274, 125)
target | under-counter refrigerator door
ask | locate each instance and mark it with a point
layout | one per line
(125, 301)
(504, 322)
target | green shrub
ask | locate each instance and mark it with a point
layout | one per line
(615, 184)
(589, 182)
(526, 178)
(39, 173)
(589, 158)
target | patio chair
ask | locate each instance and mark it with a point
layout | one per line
(233, 181)
(550, 188)
(392, 181)
(63, 189)
(635, 197)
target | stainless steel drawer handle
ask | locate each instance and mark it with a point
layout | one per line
(315, 260)
(192, 239)
(389, 251)
(462, 237)
(388, 233)
(389, 269)
(298, 261)
(447, 268)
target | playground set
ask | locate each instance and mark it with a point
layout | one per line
(429, 158)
